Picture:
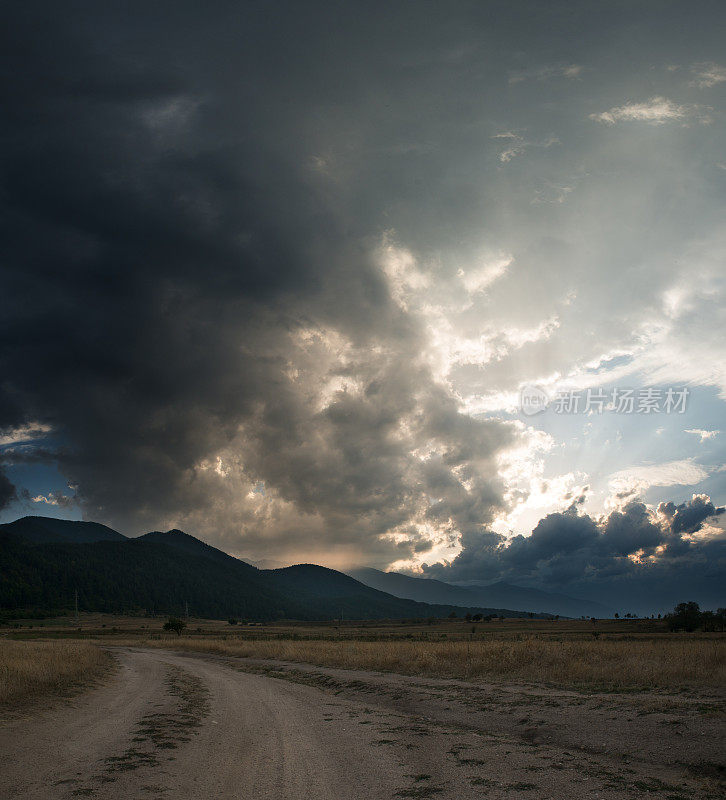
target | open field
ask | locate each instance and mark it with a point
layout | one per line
(604, 664)
(609, 654)
(30, 670)
(97, 624)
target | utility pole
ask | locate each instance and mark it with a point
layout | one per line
(186, 607)
(76, 606)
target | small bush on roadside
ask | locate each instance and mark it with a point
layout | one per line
(175, 624)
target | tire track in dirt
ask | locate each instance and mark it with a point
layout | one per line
(185, 726)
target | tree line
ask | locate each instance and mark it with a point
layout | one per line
(689, 617)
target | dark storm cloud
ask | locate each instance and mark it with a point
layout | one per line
(630, 530)
(192, 209)
(639, 557)
(689, 517)
(7, 490)
(168, 244)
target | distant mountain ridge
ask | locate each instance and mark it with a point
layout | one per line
(429, 590)
(41, 530)
(191, 545)
(43, 561)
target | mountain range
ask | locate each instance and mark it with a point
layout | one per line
(44, 561)
(428, 590)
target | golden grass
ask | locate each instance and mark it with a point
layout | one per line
(605, 664)
(29, 670)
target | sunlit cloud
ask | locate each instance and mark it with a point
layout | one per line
(515, 144)
(54, 499)
(655, 111)
(24, 433)
(479, 277)
(401, 269)
(684, 472)
(704, 436)
(707, 75)
(546, 73)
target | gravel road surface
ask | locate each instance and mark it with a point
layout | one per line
(178, 726)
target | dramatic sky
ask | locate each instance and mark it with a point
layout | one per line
(277, 273)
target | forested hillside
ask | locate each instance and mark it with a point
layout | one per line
(166, 572)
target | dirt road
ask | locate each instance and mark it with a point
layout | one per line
(181, 726)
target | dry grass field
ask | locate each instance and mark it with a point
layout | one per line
(616, 665)
(621, 655)
(99, 625)
(30, 670)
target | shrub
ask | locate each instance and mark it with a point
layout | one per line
(175, 624)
